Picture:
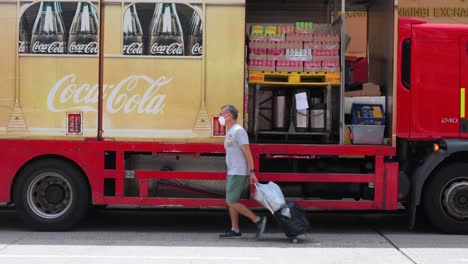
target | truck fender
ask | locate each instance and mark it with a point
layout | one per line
(422, 173)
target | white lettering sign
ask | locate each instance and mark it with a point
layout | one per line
(134, 48)
(90, 48)
(173, 49)
(197, 49)
(122, 97)
(22, 46)
(54, 47)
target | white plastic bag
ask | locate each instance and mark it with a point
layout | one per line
(270, 196)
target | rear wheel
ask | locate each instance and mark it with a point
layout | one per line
(445, 198)
(51, 195)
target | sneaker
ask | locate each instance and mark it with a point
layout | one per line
(231, 234)
(260, 224)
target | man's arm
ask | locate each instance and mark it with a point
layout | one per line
(248, 155)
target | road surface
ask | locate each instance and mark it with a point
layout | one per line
(175, 236)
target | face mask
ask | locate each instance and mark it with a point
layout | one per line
(222, 120)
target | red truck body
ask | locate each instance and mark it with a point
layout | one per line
(431, 108)
(428, 108)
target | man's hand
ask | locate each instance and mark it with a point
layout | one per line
(253, 178)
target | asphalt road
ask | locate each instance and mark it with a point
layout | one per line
(168, 236)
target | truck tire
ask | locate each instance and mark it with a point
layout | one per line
(51, 195)
(445, 199)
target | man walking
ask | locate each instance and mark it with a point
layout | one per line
(240, 168)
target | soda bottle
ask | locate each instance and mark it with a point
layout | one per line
(194, 40)
(48, 34)
(84, 30)
(165, 35)
(132, 32)
(23, 39)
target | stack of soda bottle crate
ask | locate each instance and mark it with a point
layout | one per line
(299, 47)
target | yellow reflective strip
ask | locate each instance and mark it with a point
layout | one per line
(462, 102)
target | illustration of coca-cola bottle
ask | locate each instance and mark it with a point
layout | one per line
(23, 38)
(194, 40)
(165, 35)
(48, 34)
(132, 32)
(84, 30)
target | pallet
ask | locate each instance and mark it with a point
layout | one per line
(295, 78)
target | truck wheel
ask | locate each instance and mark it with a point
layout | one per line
(51, 195)
(445, 199)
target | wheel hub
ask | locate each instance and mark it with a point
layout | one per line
(455, 200)
(49, 195)
(54, 194)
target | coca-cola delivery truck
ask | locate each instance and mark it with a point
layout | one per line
(117, 102)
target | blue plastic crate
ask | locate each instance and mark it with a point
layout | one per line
(362, 114)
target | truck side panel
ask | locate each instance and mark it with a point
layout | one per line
(435, 77)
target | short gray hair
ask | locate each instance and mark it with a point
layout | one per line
(231, 109)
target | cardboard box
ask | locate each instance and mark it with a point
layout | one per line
(314, 45)
(331, 66)
(330, 45)
(289, 45)
(368, 89)
(271, 30)
(258, 37)
(323, 28)
(325, 55)
(262, 44)
(258, 54)
(277, 38)
(312, 66)
(300, 37)
(275, 54)
(290, 66)
(257, 30)
(261, 65)
(327, 37)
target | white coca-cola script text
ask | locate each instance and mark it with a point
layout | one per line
(22, 46)
(134, 48)
(135, 93)
(197, 49)
(83, 48)
(173, 49)
(54, 47)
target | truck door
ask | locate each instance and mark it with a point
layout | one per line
(435, 84)
(463, 86)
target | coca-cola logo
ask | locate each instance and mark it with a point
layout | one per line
(83, 48)
(22, 46)
(133, 49)
(173, 49)
(135, 93)
(54, 47)
(197, 49)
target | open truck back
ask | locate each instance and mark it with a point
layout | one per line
(116, 103)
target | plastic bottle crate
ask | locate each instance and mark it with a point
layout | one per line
(366, 134)
(367, 114)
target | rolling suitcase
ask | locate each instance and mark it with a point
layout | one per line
(290, 216)
(293, 221)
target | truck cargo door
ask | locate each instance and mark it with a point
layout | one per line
(463, 86)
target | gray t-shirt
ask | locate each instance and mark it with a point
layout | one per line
(235, 158)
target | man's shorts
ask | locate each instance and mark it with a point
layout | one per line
(234, 187)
